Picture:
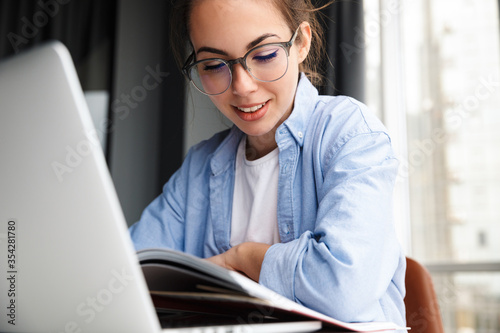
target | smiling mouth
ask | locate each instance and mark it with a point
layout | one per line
(252, 109)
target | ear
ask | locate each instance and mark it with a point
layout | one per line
(305, 41)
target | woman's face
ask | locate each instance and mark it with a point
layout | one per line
(227, 29)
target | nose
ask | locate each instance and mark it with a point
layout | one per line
(243, 82)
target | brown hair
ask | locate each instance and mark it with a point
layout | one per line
(294, 12)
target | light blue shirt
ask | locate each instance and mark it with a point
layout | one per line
(339, 253)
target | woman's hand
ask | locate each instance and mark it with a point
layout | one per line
(245, 258)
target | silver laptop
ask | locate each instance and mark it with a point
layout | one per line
(67, 263)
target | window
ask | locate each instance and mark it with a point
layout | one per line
(433, 76)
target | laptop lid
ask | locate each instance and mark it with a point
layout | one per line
(67, 263)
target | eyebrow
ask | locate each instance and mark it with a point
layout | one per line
(250, 45)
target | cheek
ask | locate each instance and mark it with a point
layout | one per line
(221, 102)
(294, 60)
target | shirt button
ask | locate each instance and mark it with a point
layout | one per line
(300, 135)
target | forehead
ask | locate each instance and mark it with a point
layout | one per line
(235, 7)
(216, 22)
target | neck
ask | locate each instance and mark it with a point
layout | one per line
(259, 146)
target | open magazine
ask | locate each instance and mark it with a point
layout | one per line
(185, 288)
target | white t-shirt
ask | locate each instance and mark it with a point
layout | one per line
(255, 198)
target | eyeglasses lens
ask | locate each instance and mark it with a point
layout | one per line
(267, 63)
(211, 77)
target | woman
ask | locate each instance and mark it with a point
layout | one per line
(297, 195)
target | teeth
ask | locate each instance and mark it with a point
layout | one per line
(252, 109)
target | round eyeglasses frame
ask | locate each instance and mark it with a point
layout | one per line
(186, 69)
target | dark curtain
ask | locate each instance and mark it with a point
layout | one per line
(83, 26)
(147, 132)
(172, 122)
(345, 67)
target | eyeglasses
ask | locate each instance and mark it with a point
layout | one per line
(266, 63)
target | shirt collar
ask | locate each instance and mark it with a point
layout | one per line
(303, 107)
(226, 152)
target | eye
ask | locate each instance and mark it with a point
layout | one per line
(266, 55)
(212, 66)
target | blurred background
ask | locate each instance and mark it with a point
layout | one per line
(428, 69)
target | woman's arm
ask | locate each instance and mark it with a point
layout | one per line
(349, 265)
